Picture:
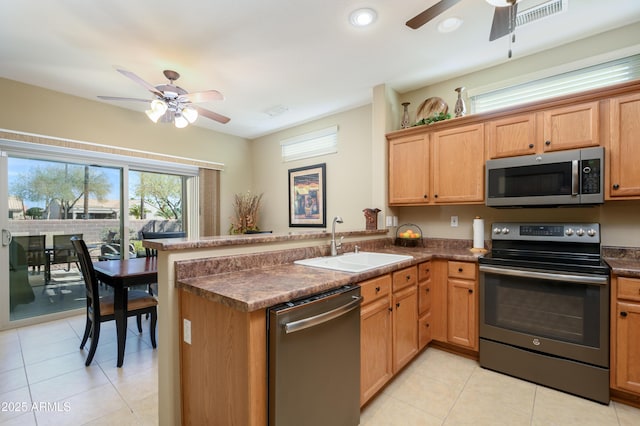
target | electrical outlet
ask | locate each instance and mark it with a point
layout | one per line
(186, 330)
(454, 221)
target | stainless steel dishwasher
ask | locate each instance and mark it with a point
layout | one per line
(314, 360)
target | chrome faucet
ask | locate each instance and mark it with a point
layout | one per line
(334, 245)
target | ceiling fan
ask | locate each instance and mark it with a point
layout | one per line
(504, 17)
(172, 103)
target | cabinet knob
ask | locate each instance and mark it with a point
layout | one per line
(623, 314)
(435, 196)
(459, 269)
(470, 291)
(426, 325)
(616, 186)
(408, 277)
(426, 289)
(377, 289)
(531, 145)
(398, 305)
(425, 196)
(547, 143)
(390, 309)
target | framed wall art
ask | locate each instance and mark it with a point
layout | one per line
(307, 196)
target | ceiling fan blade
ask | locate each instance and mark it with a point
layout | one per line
(117, 98)
(210, 114)
(427, 15)
(504, 21)
(141, 82)
(205, 96)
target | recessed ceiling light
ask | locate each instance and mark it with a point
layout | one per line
(450, 24)
(362, 17)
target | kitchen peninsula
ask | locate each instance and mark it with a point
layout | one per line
(223, 285)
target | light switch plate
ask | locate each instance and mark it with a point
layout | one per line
(389, 220)
(186, 330)
(454, 221)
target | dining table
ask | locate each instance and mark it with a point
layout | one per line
(120, 274)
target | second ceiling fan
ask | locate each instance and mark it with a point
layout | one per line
(504, 17)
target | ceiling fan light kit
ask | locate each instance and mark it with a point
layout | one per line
(501, 3)
(173, 104)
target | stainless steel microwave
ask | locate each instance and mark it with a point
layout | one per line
(563, 178)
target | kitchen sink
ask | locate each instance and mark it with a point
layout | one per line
(354, 262)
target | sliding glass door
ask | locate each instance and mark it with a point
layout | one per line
(48, 194)
(46, 203)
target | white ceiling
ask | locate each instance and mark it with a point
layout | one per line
(261, 54)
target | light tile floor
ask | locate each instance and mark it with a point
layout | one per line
(440, 388)
(43, 365)
(43, 380)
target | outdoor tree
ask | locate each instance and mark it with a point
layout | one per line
(65, 184)
(164, 192)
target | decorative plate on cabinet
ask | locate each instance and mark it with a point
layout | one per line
(430, 107)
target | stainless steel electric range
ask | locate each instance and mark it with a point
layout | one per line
(544, 306)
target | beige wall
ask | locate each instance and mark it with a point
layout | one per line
(35, 110)
(349, 172)
(356, 175)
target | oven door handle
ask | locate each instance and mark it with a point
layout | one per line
(528, 273)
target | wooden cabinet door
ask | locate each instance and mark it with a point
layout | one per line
(512, 136)
(570, 127)
(627, 371)
(458, 165)
(409, 170)
(375, 347)
(624, 147)
(405, 326)
(461, 313)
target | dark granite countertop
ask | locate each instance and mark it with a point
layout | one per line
(264, 286)
(623, 261)
(170, 244)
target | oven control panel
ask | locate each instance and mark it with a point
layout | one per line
(566, 232)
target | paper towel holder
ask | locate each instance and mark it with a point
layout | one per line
(478, 249)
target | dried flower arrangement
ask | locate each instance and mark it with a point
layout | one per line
(245, 207)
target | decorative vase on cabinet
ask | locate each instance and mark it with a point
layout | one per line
(460, 109)
(404, 124)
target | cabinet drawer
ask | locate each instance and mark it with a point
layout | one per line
(424, 271)
(375, 288)
(405, 277)
(424, 297)
(628, 288)
(464, 270)
(424, 330)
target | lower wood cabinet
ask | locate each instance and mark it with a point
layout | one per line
(405, 316)
(375, 336)
(462, 304)
(424, 304)
(388, 328)
(625, 338)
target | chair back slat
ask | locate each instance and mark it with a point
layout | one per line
(89, 275)
(63, 251)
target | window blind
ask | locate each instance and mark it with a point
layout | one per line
(593, 77)
(312, 144)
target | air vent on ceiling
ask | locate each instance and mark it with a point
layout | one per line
(548, 8)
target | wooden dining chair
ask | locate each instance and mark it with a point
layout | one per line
(101, 308)
(156, 236)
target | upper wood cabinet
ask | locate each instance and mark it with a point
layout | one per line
(624, 148)
(440, 167)
(511, 136)
(574, 126)
(458, 165)
(409, 170)
(556, 129)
